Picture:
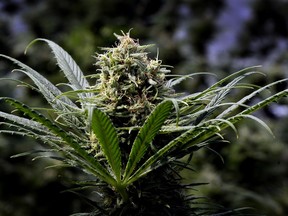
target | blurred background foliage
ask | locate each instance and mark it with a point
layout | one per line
(219, 36)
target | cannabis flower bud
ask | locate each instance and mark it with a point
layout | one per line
(129, 83)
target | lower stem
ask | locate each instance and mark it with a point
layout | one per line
(123, 192)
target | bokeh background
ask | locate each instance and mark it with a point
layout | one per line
(219, 36)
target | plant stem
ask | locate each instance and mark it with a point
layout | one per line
(121, 189)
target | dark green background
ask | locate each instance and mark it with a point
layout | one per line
(193, 35)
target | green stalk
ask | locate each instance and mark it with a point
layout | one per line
(122, 190)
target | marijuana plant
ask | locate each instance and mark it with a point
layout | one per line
(128, 129)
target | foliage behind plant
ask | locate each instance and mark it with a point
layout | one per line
(128, 129)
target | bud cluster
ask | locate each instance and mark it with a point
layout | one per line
(129, 83)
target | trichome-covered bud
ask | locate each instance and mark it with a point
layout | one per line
(129, 83)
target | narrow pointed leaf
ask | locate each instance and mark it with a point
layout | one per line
(219, 83)
(145, 168)
(48, 90)
(220, 95)
(107, 136)
(251, 95)
(25, 123)
(67, 65)
(261, 123)
(146, 134)
(194, 136)
(88, 162)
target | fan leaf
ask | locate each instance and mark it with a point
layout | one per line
(82, 157)
(48, 90)
(200, 133)
(25, 123)
(146, 134)
(107, 136)
(251, 95)
(67, 64)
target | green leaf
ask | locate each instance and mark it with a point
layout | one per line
(67, 65)
(193, 136)
(146, 134)
(106, 134)
(30, 153)
(180, 78)
(48, 90)
(203, 132)
(88, 162)
(251, 95)
(145, 168)
(220, 94)
(261, 123)
(244, 72)
(25, 123)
